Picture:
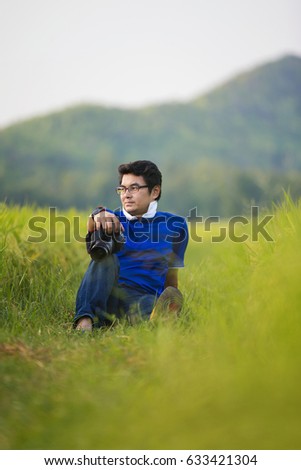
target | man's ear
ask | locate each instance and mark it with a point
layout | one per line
(156, 191)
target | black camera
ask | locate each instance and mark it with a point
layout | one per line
(100, 244)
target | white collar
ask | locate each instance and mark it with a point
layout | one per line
(151, 212)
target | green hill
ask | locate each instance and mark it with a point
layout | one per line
(238, 144)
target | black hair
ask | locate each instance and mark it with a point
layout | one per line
(145, 168)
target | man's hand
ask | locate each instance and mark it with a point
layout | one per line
(105, 220)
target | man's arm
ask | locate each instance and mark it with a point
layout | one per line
(171, 278)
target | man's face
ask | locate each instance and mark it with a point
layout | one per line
(137, 203)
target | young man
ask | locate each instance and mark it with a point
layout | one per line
(142, 278)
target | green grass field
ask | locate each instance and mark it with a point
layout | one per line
(227, 375)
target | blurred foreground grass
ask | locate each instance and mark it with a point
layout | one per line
(227, 375)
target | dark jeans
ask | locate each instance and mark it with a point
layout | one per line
(99, 296)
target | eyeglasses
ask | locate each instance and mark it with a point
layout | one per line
(133, 188)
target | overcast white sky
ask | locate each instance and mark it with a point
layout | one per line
(56, 53)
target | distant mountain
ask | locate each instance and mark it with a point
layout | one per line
(261, 109)
(238, 144)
